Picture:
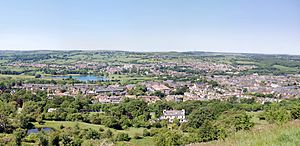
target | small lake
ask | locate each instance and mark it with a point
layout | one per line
(81, 78)
(36, 130)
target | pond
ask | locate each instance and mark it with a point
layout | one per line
(82, 78)
(36, 130)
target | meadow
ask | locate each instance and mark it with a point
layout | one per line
(57, 124)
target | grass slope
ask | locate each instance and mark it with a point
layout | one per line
(264, 134)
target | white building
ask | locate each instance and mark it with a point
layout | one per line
(170, 115)
(50, 110)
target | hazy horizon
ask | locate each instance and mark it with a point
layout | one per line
(20, 50)
(233, 26)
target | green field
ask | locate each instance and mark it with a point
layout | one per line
(56, 124)
(16, 76)
(284, 68)
(148, 141)
(246, 62)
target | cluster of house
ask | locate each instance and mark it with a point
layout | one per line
(22, 64)
(77, 65)
(238, 86)
(73, 90)
(154, 68)
(241, 87)
(279, 86)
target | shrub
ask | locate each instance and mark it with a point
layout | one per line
(43, 140)
(31, 138)
(137, 136)
(295, 113)
(278, 116)
(146, 133)
(101, 129)
(92, 134)
(122, 137)
(107, 134)
(168, 137)
(61, 127)
(54, 139)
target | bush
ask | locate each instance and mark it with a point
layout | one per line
(122, 137)
(208, 132)
(40, 120)
(278, 116)
(111, 122)
(92, 134)
(61, 127)
(101, 129)
(38, 76)
(95, 120)
(66, 139)
(31, 138)
(18, 135)
(153, 132)
(43, 140)
(54, 139)
(137, 136)
(18, 138)
(146, 133)
(295, 113)
(168, 137)
(107, 134)
(243, 122)
(77, 141)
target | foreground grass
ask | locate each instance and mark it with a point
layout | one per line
(264, 134)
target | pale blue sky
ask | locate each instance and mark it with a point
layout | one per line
(261, 26)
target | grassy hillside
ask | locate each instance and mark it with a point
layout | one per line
(264, 134)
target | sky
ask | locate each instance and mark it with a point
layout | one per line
(252, 26)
